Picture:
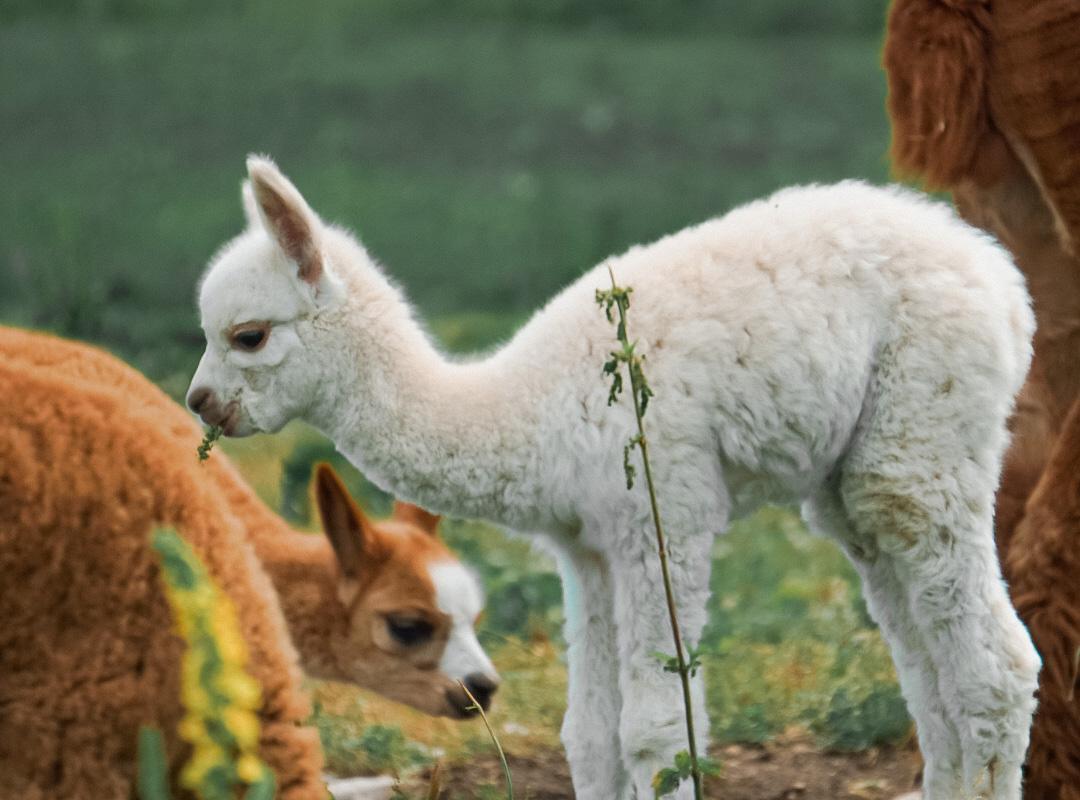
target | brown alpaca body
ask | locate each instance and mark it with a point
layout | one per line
(87, 650)
(92, 458)
(984, 100)
(1044, 562)
(969, 79)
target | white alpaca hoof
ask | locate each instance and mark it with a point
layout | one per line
(909, 796)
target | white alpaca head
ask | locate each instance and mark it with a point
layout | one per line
(260, 300)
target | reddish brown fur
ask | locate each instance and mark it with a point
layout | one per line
(1013, 209)
(417, 516)
(339, 625)
(984, 100)
(1044, 562)
(92, 457)
(935, 56)
(967, 76)
(1035, 97)
(87, 652)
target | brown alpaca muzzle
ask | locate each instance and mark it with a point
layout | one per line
(480, 686)
(459, 704)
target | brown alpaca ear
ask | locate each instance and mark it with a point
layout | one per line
(414, 515)
(348, 529)
(286, 216)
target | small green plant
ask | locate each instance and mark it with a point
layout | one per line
(498, 747)
(748, 723)
(153, 769)
(212, 434)
(353, 746)
(219, 696)
(688, 765)
(385, 747)
(853, 723)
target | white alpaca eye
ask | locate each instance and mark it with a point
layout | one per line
(249, 338)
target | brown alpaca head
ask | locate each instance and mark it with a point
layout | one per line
(405, 604)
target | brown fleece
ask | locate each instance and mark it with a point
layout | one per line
(87, 652)
(337, 640)
(1044, 562)
(984, 99)
(1034, 92)
(1015, 211)
(935, 56)
(967, 76)
(334, 639)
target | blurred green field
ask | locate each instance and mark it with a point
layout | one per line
(486, 163)
(487, 152)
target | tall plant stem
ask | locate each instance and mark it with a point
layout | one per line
(494, 738)
(661, 542)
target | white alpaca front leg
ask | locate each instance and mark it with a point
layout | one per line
(652, 726)
(590, 730)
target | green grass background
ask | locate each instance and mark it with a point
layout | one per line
(487, 152)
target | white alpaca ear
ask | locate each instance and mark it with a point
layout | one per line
(251, 208)
(287, 217)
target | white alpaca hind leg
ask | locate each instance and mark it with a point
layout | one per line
(887, 602)
(986, 665)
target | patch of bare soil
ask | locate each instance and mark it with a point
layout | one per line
(787, 769)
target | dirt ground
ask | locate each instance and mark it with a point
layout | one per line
(789, 769)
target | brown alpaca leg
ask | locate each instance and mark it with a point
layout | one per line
(1034, 427)
(1042, 565)
(1012, 208)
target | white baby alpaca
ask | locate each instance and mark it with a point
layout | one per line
(852, 348)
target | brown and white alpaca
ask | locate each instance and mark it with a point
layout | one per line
(984, 100)
(92, 457)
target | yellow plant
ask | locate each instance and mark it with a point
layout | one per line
(219, 697)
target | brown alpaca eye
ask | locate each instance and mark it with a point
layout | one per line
(409, 631)
(251, 339)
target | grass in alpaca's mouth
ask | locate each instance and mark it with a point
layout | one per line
(212, 434)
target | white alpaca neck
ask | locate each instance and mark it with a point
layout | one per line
(452, 437)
